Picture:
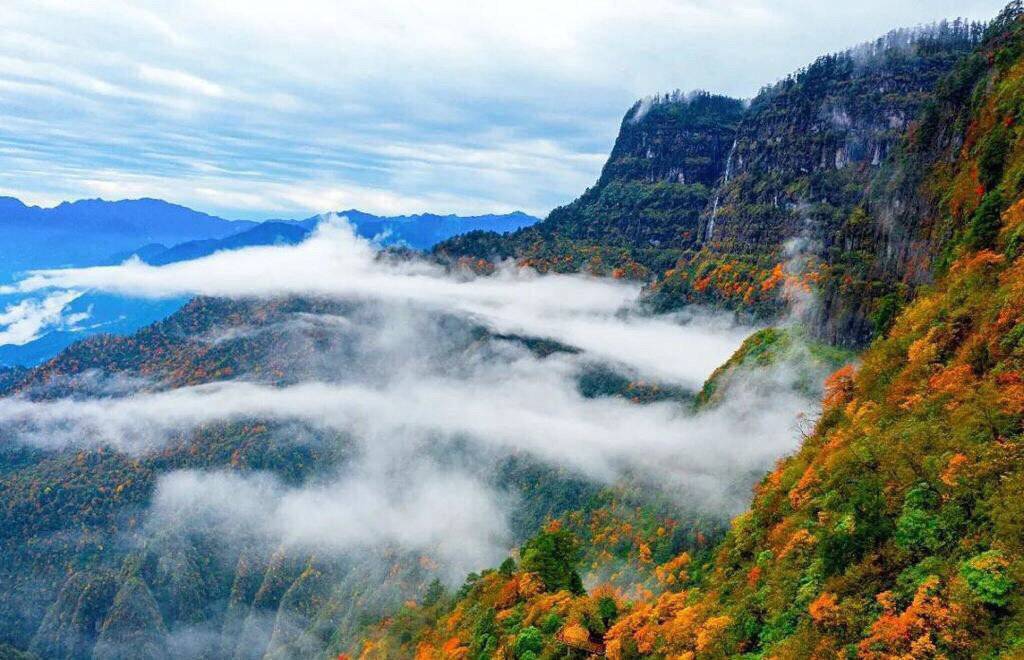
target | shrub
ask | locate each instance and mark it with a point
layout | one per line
(986, 575)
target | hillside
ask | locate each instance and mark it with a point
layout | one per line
(645, 208)
(88, 571)
(809, 187)
(265, 233)
(425, 230)
(895, 531)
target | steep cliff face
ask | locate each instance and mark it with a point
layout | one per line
(675, 138)
(810, 190)
(815, 197)
(810, 137)
(646, 206)
(900, 232)
(670, 152)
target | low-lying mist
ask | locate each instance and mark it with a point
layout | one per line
(430, 379)
(595, 314)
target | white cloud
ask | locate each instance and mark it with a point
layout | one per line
(28, 319)
(403, 378)
(594, 314)
(407, 392)
(409, 100)
(454, 517)
(422, 406)
(186, 82)
(527, 405)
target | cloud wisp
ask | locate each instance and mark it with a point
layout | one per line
(355, 512)
(527, 405)
(28, 319)
(400, 488)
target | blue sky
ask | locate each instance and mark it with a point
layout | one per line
(254, 110)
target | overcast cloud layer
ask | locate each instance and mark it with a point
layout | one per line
(260, 109)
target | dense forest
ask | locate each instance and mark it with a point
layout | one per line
(867, 212)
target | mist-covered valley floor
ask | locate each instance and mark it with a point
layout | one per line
(325, 430)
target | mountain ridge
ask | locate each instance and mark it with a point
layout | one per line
(789, 194)
(97, 232)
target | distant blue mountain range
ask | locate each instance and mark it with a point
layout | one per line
(426, 230)
(89, 231)
(95, 232)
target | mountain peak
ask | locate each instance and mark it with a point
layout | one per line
(7, 203)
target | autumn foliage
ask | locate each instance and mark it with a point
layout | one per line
(897, 528)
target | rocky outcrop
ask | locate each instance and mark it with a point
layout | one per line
(133, 627)
(670, 151)
(674, 138)
(820, 181)
(809, 144)
(72, 623)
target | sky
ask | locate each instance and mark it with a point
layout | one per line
(251, 109)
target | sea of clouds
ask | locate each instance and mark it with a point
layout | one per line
(409, 384)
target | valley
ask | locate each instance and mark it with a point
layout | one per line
(758, 392)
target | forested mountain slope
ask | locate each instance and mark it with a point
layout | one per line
(807, 186)
(644, 210)
(896, 530)
(89, 572)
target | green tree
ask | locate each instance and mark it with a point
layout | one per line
(485, 636)
(994, 148)
(919, 529)
(553, 554)
(530, 641)
(435, 592)
(984, 227)
(986, 575)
